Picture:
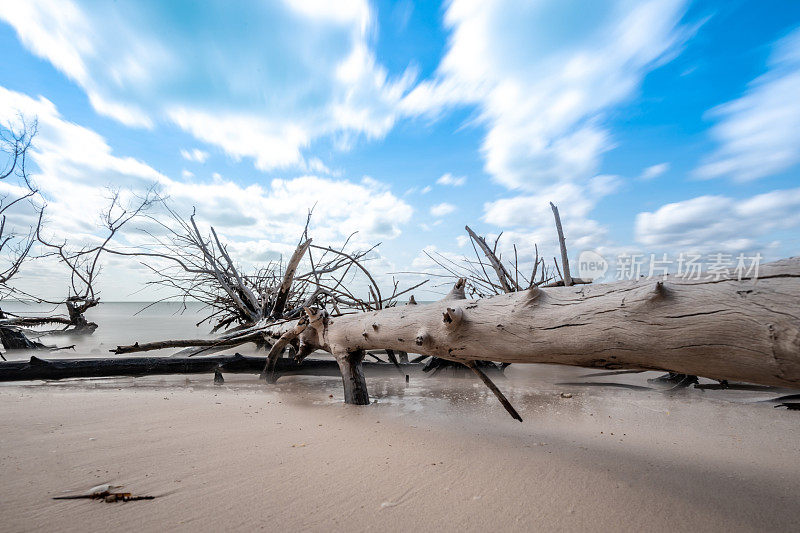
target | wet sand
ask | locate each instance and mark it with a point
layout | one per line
(438, 453)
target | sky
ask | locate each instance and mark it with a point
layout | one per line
(656, 126)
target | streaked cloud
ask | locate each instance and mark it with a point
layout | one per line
(443, 209)
(531, 214)
(654, 171)
(76, 166)
(453, 181)
(719, 223)
(195, 154)
(294, 73)
(543, 75)
(759, 133)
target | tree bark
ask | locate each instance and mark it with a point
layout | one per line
(743, 330)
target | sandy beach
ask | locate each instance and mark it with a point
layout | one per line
(438, 453)
(378, 266)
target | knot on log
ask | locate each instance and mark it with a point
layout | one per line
(315, 316)
(452, 317)
(422, 336)
(660, 291)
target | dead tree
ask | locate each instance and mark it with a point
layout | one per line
(728, 329)
(242, 306)
(204, 270)
(725, 329)
(39, 368)
(84, 263)
(17, 246)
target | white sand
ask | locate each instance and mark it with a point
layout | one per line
(434, 455)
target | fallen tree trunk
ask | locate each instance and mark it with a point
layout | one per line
(37, 368)
(743, 330)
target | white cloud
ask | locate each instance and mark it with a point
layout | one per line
(544, 74)
(532, 215)
(127, 114)
(719, 223)
(294, 73)
(440, 210)
(759, 133)
(652, 172)
(75, 165)
(68, 153)
(413, 190)
(196, 155)
(449, 179)
(187, 174)
(316, 165)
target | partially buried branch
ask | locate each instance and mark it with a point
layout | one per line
(489, 383)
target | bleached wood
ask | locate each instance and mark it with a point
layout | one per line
(562, 244)
(731, 329)
(288, 277)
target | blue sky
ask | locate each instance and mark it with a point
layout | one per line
(657, 126)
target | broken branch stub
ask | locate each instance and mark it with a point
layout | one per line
(562, 243)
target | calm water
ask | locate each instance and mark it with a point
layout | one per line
(121, 323)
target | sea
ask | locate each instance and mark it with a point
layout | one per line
(119, 323)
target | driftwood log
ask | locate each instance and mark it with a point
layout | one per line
(37, 368)
(727, 329)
